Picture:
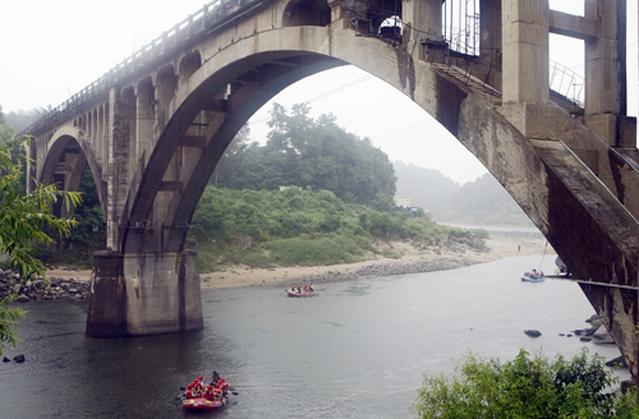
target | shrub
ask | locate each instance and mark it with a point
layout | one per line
(308, 251)
(525, 388)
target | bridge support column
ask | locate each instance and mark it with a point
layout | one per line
(423, 25)
(144, 294)
(526, 25)
(490, 44)
(343, 12)
(526, 93)
(606, 101)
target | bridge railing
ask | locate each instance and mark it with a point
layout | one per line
(207, 18)
(567, 83)
(562, 80)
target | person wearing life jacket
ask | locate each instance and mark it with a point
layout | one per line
(197, 388)
(189, 391)
(208, 392)
(225, 388)
(221, 389)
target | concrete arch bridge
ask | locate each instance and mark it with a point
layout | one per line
(153, 128)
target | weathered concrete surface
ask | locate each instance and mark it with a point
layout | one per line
(153, 135)
(144, 294)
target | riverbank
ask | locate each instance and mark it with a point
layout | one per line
(502, 244)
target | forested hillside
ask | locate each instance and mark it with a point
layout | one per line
(482, 202)
(426, 188)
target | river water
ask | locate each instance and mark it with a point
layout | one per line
(357, 350)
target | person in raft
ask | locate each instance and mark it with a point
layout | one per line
(215, 378)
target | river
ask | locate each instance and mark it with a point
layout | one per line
(357, 350)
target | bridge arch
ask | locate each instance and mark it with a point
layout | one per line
(575, 177)
(235, 81)
(66, 159)
(440, 96)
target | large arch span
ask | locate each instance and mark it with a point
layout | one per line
(167, 128)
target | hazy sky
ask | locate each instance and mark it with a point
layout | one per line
(51, 49)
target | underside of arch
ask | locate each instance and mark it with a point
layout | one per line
(586, 224)
(64, 164)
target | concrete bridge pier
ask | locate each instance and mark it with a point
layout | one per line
(144, 294)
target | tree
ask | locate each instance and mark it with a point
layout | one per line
(306, 152)
(526, 388)
(6, 131)
(22, 219)
(20, 120)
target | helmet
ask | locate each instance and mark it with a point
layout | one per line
(199, 378)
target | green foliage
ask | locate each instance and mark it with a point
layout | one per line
(480, 233)
(304, 152)
(302, 227)
(310, 251)
(8, 321)
(22, 219)
(88, 236)
(20, 120)
(6, 131)
(525, 388)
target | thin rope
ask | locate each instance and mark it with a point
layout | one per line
(543, 256)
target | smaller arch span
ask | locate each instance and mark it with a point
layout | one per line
(67, 153)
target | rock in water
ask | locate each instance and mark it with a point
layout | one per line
(533, 333)
(18, 359)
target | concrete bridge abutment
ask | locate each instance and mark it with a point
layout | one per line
(144, 294)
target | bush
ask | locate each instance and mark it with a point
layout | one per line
(302, 227)
(308, 251)
(256, 259)
(480, 233)
(525, 388)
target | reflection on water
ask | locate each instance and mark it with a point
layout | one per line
(357, 350)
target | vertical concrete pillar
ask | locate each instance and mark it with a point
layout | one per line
(490, 42)
(422, 24)
(145, 122)
(343, 11)
(107, 302)
(525, 51)
(605, 58)
(606, 84)
(422, 19)
(144, 294)
(117, 168)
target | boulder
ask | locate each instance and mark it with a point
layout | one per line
(18, 359)
(22, 298)
(533, 333)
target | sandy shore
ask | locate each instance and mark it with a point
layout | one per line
(501, 245)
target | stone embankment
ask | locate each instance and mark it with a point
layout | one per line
(382, 270)
(39, 289)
